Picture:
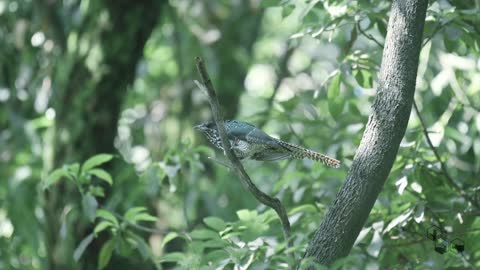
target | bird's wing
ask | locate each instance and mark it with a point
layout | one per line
(271, 156)
(248, 132)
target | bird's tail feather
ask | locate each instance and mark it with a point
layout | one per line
(300, 152)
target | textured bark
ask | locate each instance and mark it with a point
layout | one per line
(381, 139)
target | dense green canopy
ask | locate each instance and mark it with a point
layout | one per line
(100, 166)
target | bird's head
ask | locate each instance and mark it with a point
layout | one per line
(206, 127)
(209, 129)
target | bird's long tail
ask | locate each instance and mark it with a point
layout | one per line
(302, 152)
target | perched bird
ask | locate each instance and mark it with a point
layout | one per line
(249, 142)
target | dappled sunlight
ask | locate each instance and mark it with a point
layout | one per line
(101, 166)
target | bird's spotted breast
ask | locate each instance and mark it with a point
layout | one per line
(250, 142)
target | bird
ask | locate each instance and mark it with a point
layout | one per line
(250, 142)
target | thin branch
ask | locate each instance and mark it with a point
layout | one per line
(237, 167)
(368, 36)
(439, 26)
(443, 167)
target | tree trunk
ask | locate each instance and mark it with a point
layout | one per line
(88, 108)
(381, 139)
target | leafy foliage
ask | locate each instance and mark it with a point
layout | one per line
(100, 164)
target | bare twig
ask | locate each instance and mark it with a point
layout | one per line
(237, 167)
(443, 167)
(367, 35)
(439, 26)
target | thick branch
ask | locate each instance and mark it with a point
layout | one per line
(386, 126)
(271, 202)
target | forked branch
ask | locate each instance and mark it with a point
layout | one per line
(236, 165)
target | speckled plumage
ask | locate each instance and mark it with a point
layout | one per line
(249, 142)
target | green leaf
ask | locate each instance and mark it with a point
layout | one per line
(102, 174)
(132, 212)
(169, 237)
(74, 169)
(215, 243)
(141, 245)
(364, 78)
(124, 246)
(138, 214)
(216, 256)
(382, 27)
(96, 191)
(82, 246)
(246, 215)
(105, 253)
(215, 223)
(107, 216)
(269, 3)
(335, 101)
(55, 176)
(144, 217)
(306, 208)
(89, 204)
(173, 257)
(287, 10)
(203, 234)
(95, 161)
(102, 226)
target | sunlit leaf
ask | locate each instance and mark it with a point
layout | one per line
(132, 212)
(215, 223)
(55, 176)
(82, 246)
(374, 248)
(169, 237)
(246, 214)
(102, 226)
(145, 217)
(401, 184)
(306, 208)
(105, 253)
(95, 161)
(203, 234)
(107, 216)
(398, 220)
(173, 257)
(419, 213)
(102, 174)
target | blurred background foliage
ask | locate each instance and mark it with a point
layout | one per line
(100, 166)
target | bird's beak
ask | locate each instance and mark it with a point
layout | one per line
(198, 127)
